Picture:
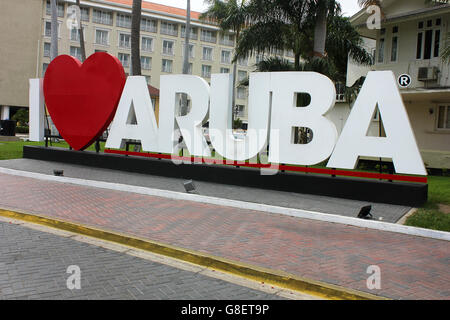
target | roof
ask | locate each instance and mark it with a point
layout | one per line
(159, 8)
(154, 92)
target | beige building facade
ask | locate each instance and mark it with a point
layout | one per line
(19, 52)
(107, 25)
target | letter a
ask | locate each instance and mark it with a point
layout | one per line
(134, 117)
(399, 144)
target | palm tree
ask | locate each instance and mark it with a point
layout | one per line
(82, 46)
(323, 9)
(187, 35)
(274, 25)
(184, 98)
(229, 15)
(54, 30)
(136, 37)
(290, 25)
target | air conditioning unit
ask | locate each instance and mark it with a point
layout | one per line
(428, 74)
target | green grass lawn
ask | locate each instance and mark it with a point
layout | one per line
(429, 216)
(14, 149)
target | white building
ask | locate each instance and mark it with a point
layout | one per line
(410, 41)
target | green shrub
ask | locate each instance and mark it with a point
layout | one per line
(22, 129)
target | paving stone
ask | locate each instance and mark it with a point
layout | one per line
(329, 252)
(123, 281)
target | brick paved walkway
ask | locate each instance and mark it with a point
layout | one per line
(411, 267)
(33, 265)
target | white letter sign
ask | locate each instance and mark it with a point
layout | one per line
(380, 88)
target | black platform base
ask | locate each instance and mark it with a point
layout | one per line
(409, 194)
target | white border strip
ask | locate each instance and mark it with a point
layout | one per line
(370, 224)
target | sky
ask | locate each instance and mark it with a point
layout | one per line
(349, 7)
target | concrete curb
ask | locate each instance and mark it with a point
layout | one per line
(305, 214)
(275, 277)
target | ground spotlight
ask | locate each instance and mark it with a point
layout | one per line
(58, 173)
(189, 186)
(364, 213)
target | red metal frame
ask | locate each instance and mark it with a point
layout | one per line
(345, 173)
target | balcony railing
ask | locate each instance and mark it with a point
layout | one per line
(208, 38)
(227, 42)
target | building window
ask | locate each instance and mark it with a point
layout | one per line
(394, 45)
(146, 63)
(75, 52)
(44, 68)
(225, 56)
(278, 52)
(149, 25)
(102, 17)
(437, 42)
(340, 92)
(147, 44)
(123, 20)
(206, 71)
(168, 28)
(224, 70)
(48, 29)
(193, 34)
(207, 54)
(75, 34)
(242, 75)
(259, 58)
(241, 92)
(227, 39)
(168, 47)
(167, 65)
(60, 7)
(102, 37)
(124, 58)
(243, 61)
(47, 47)
(189, 71)
(191, 51)
(84, 14)
(239, 111)
(428, 39)
(124, 40)
(208, 36)
(381, 51)
(290, 53)
(427, 44)
(443, 117)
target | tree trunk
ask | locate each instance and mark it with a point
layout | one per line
(184, 102)
(82, 45)
(233, 100)
(187, 36)
(297, 62)
(320, 30)
(136, 38)
(54, 31)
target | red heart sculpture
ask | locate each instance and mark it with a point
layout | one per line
(82, 98)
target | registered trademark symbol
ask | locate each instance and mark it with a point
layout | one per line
(404, 80)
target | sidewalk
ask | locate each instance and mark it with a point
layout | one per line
(329, 205)
(411, 267)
